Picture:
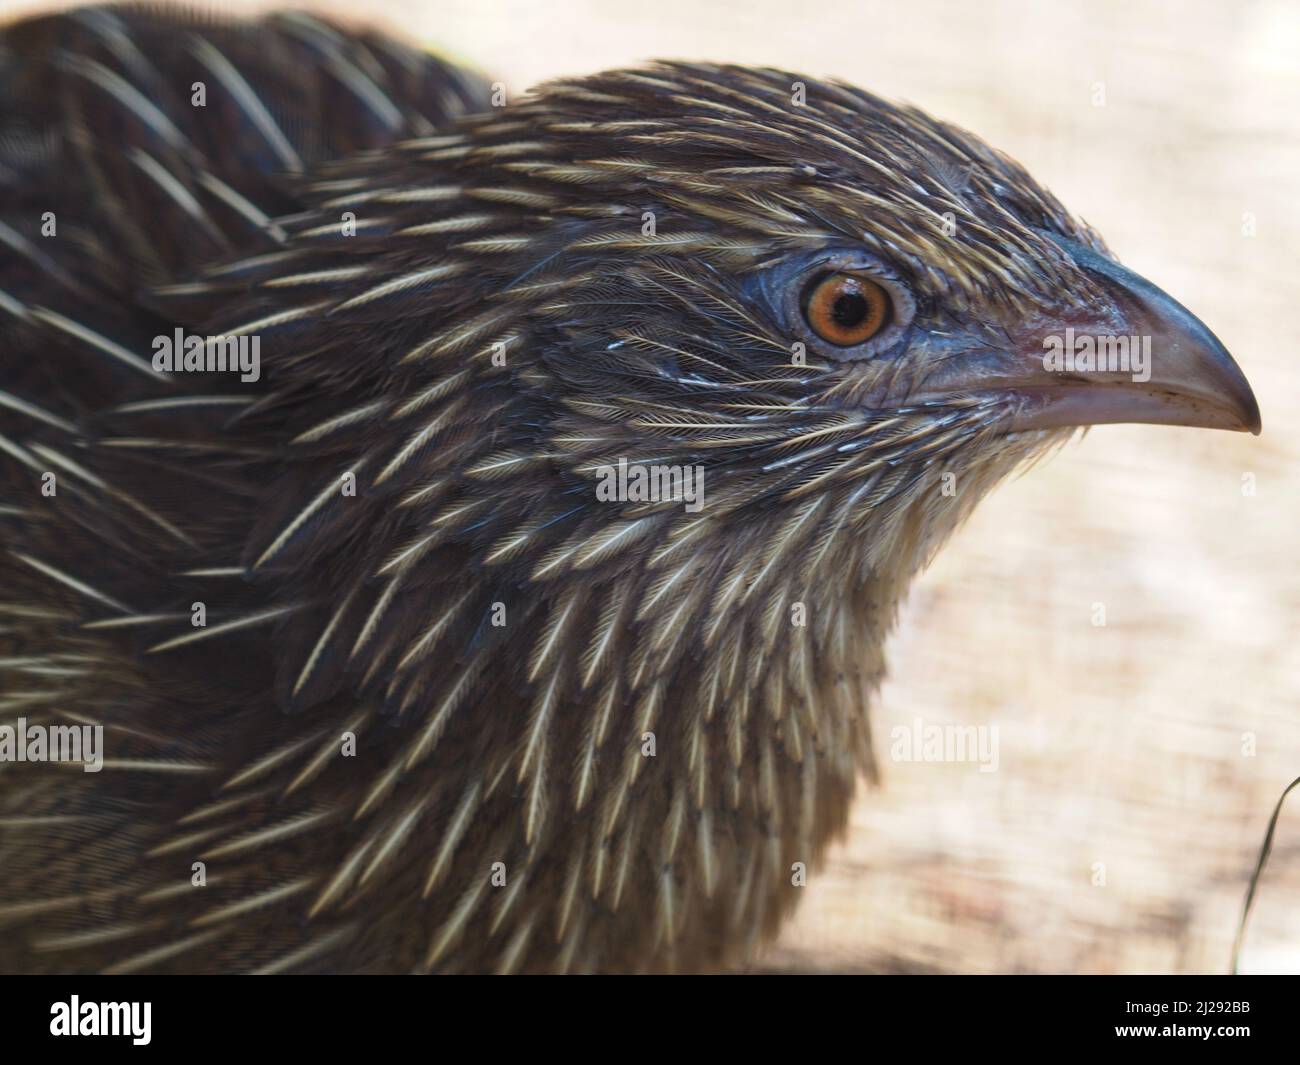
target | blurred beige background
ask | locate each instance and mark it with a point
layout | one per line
(1120, 746)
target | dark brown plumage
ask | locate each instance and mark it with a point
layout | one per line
(396, 532)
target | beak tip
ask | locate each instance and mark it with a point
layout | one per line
(1249, 420)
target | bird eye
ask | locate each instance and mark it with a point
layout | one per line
(846, 309)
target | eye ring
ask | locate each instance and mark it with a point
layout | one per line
(846, 309)
(785, 286)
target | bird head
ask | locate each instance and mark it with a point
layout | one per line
(836, 309)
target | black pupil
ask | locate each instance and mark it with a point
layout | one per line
(850, 308)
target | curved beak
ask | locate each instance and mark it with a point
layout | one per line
(1146, 358)
(1188, 377)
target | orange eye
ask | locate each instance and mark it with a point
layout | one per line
(846, 309)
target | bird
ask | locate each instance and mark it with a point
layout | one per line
(520, 607)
